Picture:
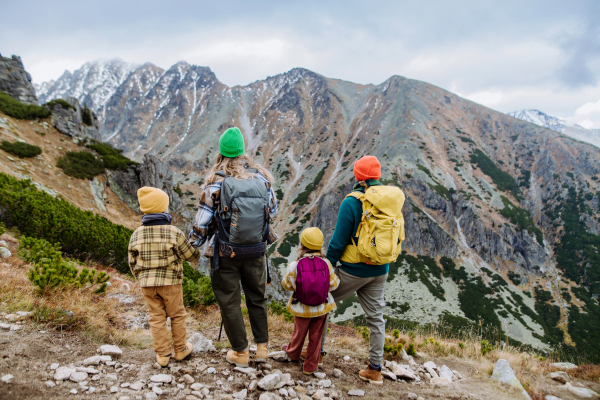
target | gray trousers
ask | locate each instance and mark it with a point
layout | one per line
(370, 292)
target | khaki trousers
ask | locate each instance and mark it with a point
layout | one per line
(163, 302)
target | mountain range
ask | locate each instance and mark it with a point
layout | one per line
(559, 125)
(502, 215)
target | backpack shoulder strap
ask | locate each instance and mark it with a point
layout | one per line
(221, 173)
(357, 195)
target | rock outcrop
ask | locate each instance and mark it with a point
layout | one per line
(152, 172)
(77, 122)
(15, 81)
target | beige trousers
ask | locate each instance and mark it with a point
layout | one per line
(163, 302)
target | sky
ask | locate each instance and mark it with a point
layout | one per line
(507, 55)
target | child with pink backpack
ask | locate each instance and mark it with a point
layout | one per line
(311, 278)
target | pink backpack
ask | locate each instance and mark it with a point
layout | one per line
(312, 281)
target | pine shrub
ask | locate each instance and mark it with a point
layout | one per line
(18, 110)
(197, 288)
(111, 158)
(63, 103)
(2, 228)
(81, 234)
(80, 164)
(50, 271)
(86, 116)
(20, 149)
(280, 309)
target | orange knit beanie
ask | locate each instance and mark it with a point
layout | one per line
(367, 167)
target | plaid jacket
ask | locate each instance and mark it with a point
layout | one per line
(156, 254)
(302, 310)
(205, 223)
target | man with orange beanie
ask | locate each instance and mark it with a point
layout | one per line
(156, 252)
(367, 281)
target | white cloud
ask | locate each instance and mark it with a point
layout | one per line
(588, 115)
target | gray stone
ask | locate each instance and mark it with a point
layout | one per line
(583, 393)
(252, 386)
(241, 395)
(504, 373)
(161, 378)
(157, 390)
(15, 327)
(87, 370)
(457, 374)
(54, 366)
(388, 374)
(269, 382)
(211, 370)
(114, 389)
(4, 252)
(548, 397)
(50, 384)
(356, 392)
(319, 395)
(111, 350)
(338, 373)
(197, 386)
(63, 373)
(73, 391)
(201, 344)
(136, 385)
(319, 375)
(269, 396)
(78, 376)
(151, 396)
(245, 370)
(401, 372)
(412, 396)
(560, 376)
(446, 373)
(95, 360)
(564, 365)
(346, 358)
(7, 378)
(187, 378)
(440, 381)
(4, 326)
(325, 383)
(112, 377)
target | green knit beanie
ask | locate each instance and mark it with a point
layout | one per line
(231, 143)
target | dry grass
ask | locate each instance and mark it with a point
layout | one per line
(96, 317)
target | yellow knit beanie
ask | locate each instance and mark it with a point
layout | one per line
(312, 238)
(152, 200)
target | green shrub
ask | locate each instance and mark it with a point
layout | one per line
(503, 180)
(65, 104)
(486, 347)
(80, 164)
(2, 228)
(50, 271)
(111, 158)
(86, 116)
(197, 289)
(16, 109)
(302, 198)
(410, 350)
(82, 234)
(20, 149)
(281, 309)
(521, 218)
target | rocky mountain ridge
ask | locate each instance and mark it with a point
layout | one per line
(559, 125)
(500, 213)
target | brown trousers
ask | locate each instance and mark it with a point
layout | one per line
(314, 328)
(163, 302)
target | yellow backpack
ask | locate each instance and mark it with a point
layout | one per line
(381, 230)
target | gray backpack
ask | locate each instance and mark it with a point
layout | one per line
(243, 217)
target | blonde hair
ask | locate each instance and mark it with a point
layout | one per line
(236, 167)
(304, 251)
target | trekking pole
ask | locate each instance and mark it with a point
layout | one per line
(220, 330)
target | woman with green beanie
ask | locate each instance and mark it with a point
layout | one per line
(233, 217)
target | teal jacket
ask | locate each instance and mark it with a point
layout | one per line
(345, 228)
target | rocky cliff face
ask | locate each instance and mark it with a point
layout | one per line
(489, 192)
(152, 172)
(15, 81)
(75, 121)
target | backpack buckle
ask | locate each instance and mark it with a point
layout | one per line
(225, 209)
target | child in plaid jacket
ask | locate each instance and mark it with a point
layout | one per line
(156, 252)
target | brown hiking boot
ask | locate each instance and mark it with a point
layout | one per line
(163, 361)
(261, 353)
(239, 358)
(323, 354)
(186, 352)
(371, 375)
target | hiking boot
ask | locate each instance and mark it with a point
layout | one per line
(186, 352)
(323, 354)
(261, 353)
(371, 375)
(163, 361)
(239, 358)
